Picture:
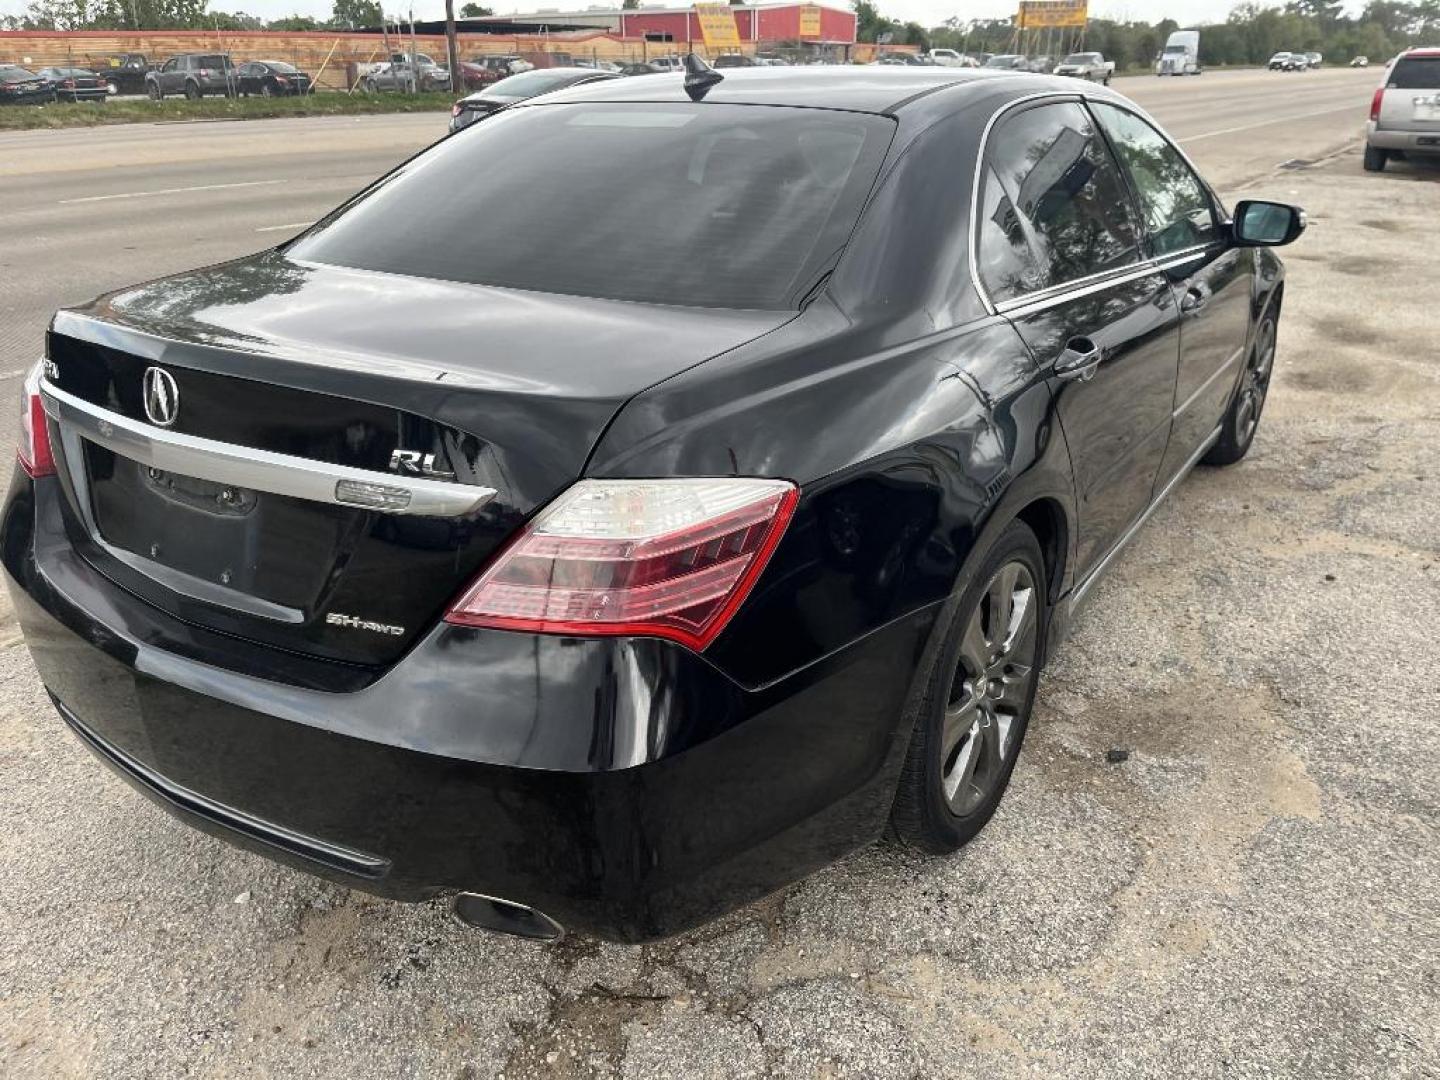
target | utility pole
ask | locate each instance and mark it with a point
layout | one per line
(452, 48)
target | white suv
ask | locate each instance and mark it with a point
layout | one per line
(1405, 113)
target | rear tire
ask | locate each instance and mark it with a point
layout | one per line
(1375, 158)
(1242, 419)
(266, 91)
(978, 700)
(155, 94)
(192, 91)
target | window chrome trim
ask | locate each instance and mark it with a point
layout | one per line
(248, 467)
(1027, 99)
(1080, 287)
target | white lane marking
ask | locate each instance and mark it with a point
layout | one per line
(1357, 109)
(170, 191)
(283, 228)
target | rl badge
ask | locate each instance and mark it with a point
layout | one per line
(417, 464)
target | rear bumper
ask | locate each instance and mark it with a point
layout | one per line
(625, 788)
(1415, 142)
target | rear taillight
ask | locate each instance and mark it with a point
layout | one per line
(654, 558)
(1376, 102)
(69, 84)
(34, 447)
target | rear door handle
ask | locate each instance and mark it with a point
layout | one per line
(1196, 297)
(1080, 360)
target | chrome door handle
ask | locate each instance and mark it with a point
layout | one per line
(1080, 360)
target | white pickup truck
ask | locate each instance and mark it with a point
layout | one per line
(1087, 65)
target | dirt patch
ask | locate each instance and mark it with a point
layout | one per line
(1384, 225)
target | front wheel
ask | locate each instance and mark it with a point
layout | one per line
(1237, 429)
(266, 90)
(978, 701)
(155, 94)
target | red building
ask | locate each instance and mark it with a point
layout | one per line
(810, 23)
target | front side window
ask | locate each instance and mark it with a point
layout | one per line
(1179, 212)
(755, 203)
(1055, 176)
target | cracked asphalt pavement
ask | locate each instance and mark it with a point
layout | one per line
(1220, 855)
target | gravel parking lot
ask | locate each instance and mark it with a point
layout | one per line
(1252, 891)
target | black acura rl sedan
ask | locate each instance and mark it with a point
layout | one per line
(637, 501)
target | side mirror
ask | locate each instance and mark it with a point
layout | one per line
(1267, 224)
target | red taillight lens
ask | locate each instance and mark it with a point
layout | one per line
(34, 449)
(1376, 102)
(69, 84)
(654, 558)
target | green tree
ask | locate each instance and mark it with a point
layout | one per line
(294, 23)
(475, 11)
(352, 14)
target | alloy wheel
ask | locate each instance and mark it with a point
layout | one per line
(991, 688)
(1256, 383)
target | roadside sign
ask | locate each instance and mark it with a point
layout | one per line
(1040, 14)
(717, 26)
(810, 21)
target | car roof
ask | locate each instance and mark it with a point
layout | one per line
(1422, 50)
(877, 89)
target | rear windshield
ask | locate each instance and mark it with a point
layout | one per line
(213, 61)
(1416, 73)
(282, 68)
(15, 74)
(711, 206)
(1082, 58)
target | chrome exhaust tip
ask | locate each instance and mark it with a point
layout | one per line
(506, 917)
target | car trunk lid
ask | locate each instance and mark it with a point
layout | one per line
(280, 381)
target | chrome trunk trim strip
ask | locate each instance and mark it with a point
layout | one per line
(247, 467)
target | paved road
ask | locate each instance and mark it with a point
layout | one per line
(86, 210)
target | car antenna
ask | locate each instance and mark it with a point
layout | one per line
(699, 77)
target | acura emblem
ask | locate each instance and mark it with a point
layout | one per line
(162, 398)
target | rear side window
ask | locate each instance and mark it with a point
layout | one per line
(713, 206)
(1051, 181)
(1415, 73)
(1179, 212)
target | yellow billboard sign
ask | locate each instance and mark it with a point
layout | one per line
(810, 21)
(717, 26)
(1040, 14)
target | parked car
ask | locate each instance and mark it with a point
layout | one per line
(638, 69)
(195, 75)
(405, 72)
(75, 84)
(1282, 61)
(946, 57)
(273, 78)
(666, 64)
(522, 87)
(480, 71)
(1405, 111)
(125, 72)
(1091, 66)
(1314, 60)
(1041, 65)
(597, 65)
(1008, 62)
(1360, 61)
(21, 86)
(734, 60)
(703, 567)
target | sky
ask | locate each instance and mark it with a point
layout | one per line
(925, 12)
